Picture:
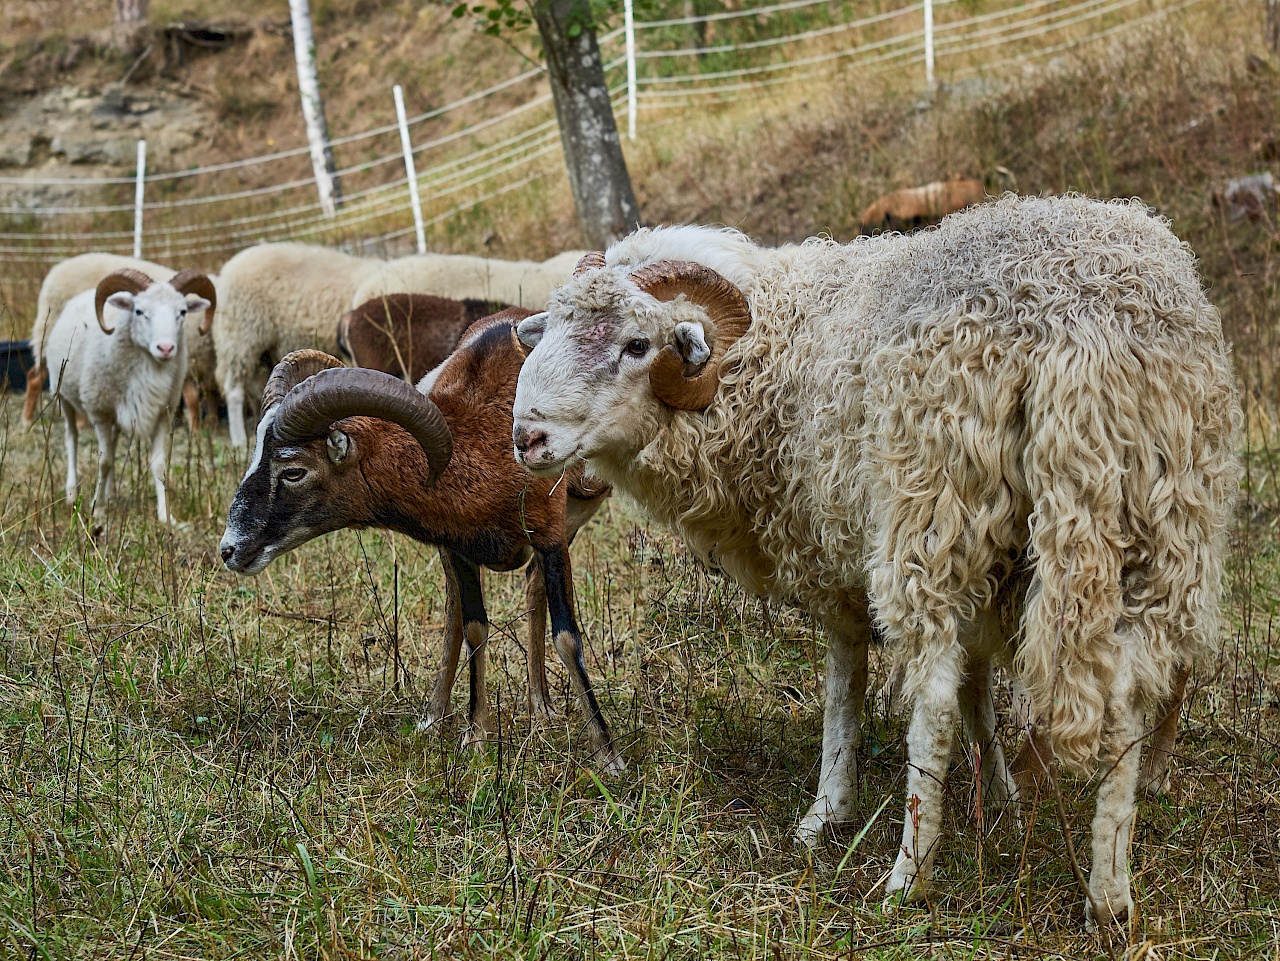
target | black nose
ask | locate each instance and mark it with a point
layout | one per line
(226, 553)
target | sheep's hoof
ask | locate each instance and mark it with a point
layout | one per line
(1112, 908)
(611, 763)
(426, 723)
(809, 832)
(544, 716)
(1155, 780)
(902, 889)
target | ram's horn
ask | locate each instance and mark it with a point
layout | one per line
(292, 370)
(589, 261)
(332, 394)
(192, 281)
(126, 279)
(728, 312)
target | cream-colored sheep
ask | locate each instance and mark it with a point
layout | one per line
(277, 298)
(523, 283)
(1029, 409)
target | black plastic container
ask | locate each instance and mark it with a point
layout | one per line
(15, 361)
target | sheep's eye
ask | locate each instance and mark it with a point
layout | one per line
(138, 312)
(182, 312)
(293, 474)
(637, 347)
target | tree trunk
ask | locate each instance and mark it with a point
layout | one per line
(1273, 25)
(304, 53)
(598, 176)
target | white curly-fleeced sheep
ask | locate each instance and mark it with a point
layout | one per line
(1028, 411)
(77, 274)
(118, 357)
(522, 283)
(277, 298)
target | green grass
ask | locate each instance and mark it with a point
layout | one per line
(198, 765)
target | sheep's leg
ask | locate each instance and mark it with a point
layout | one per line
(71, 436)
(1120, 761)
(846, 691)
(438, 705)
(475, 633)
(930, 736)
(160, 463)
(234, 394)
(978, 711)
(557, 576)
(535, 607)
(1155, 766)
(107, 435)
(191, 401)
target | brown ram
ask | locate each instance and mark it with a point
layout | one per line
(358, 448)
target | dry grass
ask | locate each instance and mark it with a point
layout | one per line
(198, 766)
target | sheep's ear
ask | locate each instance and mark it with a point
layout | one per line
(691, 341)
(531, 329)
(196, 302)
(338, 445)
(121, 299)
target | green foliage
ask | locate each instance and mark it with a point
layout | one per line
(498, 17)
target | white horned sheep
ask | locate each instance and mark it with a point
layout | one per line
(1024, 418)
(341, 447)
(126, 375)
(82, 272)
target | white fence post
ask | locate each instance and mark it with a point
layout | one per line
(928, 43)
(410, 170)
(630, 28)
(137, 199)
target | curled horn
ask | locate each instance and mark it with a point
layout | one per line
(332, 394)
(292, 370)
(192, 281)
(127, 280)
(730, 317)
(590, 261)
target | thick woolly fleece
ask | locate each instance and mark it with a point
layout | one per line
(1036, 390)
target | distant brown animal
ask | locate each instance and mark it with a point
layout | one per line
(408, 334)
(913, 207)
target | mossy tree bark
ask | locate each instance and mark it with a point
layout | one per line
(598, 176)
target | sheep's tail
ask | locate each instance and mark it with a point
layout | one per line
(1132, 473)
(1073, 473)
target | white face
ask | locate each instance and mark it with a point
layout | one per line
(584, 389)
(154, 318)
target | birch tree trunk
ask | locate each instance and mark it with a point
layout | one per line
(597, 170)
(304, 53)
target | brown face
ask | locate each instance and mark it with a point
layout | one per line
(291, 494)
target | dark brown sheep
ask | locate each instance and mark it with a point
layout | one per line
(408, 334)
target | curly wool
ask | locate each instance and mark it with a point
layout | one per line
(1036, 385)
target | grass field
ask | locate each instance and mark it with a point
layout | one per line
(195, 765)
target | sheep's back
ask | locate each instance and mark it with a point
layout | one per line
(283, 297)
